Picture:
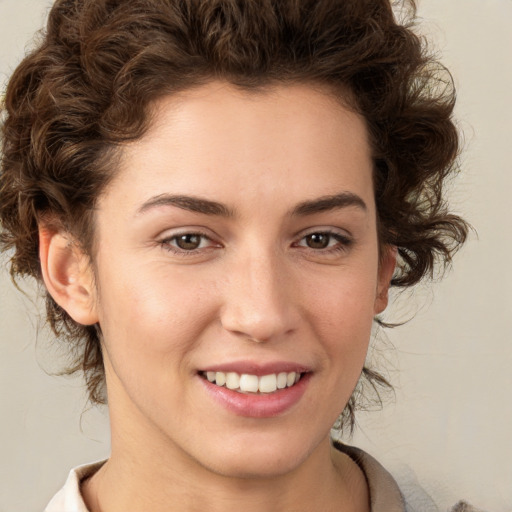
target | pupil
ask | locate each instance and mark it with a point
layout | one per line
(188, 242)
(318, 241)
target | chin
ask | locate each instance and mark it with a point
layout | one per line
(247, 466)
(259, 457)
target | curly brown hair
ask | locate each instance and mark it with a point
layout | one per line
(88, 87)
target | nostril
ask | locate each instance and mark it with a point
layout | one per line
(255, 340)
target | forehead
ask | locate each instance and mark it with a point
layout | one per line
(216, 140)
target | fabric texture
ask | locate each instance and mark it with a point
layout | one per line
(69, 498)
(385, 496)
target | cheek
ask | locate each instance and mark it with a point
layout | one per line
(345, 305)
(152, 317)
(342, 319)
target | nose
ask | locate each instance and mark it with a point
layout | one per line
(259, 300)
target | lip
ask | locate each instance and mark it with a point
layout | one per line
(257, 405)
(258, 369)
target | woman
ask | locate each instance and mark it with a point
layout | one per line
(217, 196)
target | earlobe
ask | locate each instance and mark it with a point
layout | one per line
(386, 269)
(67, 275)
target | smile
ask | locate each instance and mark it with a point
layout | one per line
(247, 383)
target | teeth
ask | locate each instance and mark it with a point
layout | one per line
(281, 380)
(220, 378)
(249, 383)
(268, 383)
(246, 383)
(232, 380)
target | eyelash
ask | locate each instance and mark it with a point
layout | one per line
(344, 243)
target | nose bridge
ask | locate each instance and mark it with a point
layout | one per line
(258, 303)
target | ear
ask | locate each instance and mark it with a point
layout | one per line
(68, 275)
(387, 263)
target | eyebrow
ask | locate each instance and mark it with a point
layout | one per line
(326, 203)
(208, 207)
(190, 203)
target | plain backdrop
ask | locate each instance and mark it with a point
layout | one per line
(448, 428)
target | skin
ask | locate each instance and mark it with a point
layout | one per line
(255, 289)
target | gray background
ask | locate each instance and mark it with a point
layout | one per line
(449, 426)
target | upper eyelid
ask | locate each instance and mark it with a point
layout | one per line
(327, 230)
(333, 234)
(171, 233)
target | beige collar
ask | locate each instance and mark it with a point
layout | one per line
(385, 496)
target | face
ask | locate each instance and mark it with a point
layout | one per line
(238, 243)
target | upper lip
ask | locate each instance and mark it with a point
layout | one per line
(259, 369)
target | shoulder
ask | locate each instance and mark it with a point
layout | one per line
(69, 498)
(385, 493)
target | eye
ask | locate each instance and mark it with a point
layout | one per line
(318, 240)
(188, 243)
(326, 241)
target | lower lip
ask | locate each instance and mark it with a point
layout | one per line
(258, 405)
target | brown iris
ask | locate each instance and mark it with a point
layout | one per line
(188, 242)
(318, 240)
